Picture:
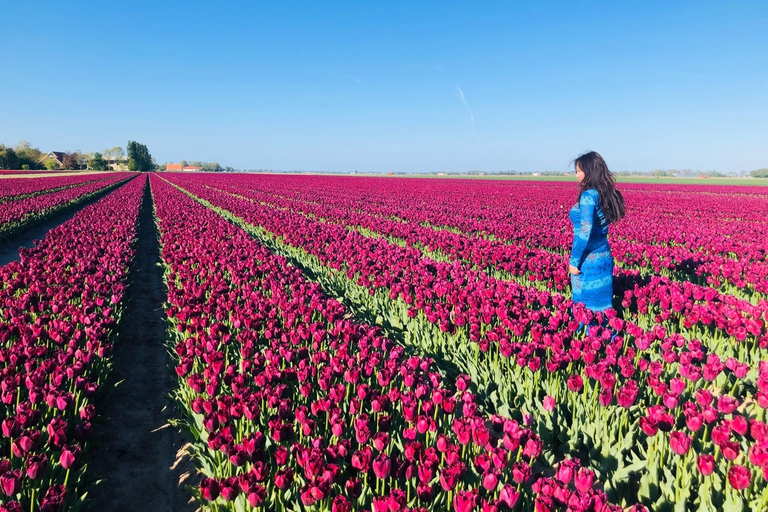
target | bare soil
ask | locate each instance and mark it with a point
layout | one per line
(140, 458)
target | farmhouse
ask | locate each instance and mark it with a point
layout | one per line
(59, 157)
(181, 167)
(117, 164)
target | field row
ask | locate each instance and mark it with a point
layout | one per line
(611, 395)
(395, 345)
(291, 401)
(59, 309)
(19, 212)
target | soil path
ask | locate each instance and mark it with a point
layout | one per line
(139, 454)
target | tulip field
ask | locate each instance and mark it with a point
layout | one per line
(397, 344)
(25, 201)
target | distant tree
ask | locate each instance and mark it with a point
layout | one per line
(117, 153)
(759, 173)
(51, 164)
(183, 164)
(25, 167)
(139, 158)
(8, 158)
(97, 163)
(80, 159)
(68, 161)
(28, 155)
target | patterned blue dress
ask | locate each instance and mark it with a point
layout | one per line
(591, 254)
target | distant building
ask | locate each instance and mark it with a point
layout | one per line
(60, 157)
(117, 164)
(57, 156)
(180, 167)
(63, 160)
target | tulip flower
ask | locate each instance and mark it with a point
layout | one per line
(382, 466)
(209, 488)
(584, 479)
(10, 482)
(680, 442)
(739, 476)
(465, 501)
(706, 464)
(69, 456)
(508, 497)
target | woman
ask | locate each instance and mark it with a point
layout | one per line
(599, 204)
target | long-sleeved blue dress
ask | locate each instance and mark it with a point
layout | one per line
(591, 254)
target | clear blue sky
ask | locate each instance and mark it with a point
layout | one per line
(378, 85)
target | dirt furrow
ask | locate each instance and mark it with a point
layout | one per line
(139, 458)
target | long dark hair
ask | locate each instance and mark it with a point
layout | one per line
(598, 177)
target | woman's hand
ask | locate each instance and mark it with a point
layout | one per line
(573, 270)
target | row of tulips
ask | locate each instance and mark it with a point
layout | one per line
(677, 306)
(25, 187)
(59, 307)
(589, 383)
(548, 259)
(701, 307)
(15, 216)
(293, 404)
(718, 235)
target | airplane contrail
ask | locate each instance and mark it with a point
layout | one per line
(353, 78)
(469, 111)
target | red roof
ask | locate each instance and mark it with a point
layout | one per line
(173, 167)
(192, 168)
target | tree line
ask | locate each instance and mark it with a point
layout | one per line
(24, 156)
(135, 157)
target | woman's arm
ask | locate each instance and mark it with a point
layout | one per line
(587, 205)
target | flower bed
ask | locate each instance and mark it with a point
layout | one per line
(59, 307)
(290, 401)
(15, 216)
(646, 400)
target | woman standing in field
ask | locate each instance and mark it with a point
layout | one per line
(599, 204)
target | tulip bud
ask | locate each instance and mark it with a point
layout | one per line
(706, 464)
(382, 466)
(584, 479)
(10, 482)
(209, 489)
(490, 481)
(508, 496)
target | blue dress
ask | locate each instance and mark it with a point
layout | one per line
(591, 254)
